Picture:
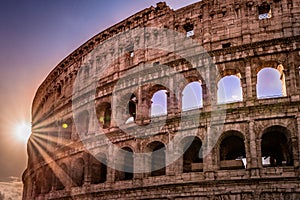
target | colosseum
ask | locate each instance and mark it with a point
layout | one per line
(197, 103)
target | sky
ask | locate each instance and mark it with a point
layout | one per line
(35, 36)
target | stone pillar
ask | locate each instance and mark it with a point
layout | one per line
(139, 107)
(74, 135)
(87, 170)
(253, 151)
(111, 173)
(92, 119)
(144, 108)
(298, 131)
(171, 98)
(205, 97)
(138, 165)
(208, 153)
(171, 168)
(248, 86)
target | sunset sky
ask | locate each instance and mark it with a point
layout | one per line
(35, 36)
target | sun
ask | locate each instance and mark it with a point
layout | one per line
(22, 131)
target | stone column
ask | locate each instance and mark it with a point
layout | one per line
(208, 153)
(92, 120)
(253, 151)
(139, 106)
(87, 170)
(110, 177)
(298, 131)
(138, 165)
(169, 153)
(171, 98)
(248, 86)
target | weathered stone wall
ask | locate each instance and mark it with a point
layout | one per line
(60, 167)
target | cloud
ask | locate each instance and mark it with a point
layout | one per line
(12, 189)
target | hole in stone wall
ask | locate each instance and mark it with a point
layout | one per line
(189, 29)
(226, 45)
(264, 11)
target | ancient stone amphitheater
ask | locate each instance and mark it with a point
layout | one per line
(115, 119)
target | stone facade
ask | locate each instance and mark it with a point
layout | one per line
(242, 38)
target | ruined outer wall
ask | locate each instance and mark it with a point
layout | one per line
(238, 42)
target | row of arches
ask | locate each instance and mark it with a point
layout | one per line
(270, 84)
(276, 150)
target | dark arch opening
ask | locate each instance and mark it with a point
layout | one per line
(125, 163)
(98, 169)
(192, 156)
(82, 122)
(158, 158)
(232, 152)
(132, 106)
(47, 181)
(103, 112)
(58, 185)
(276, 148)
(78, 172)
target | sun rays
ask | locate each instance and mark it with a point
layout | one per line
(41, 145)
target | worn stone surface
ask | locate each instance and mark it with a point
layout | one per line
(241, 44)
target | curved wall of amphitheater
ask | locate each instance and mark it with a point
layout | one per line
(256, 154)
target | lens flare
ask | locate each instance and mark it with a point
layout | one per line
(23, 131)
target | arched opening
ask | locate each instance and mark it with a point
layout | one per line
(276, 148)
(98, 169)
(83, 122)
(104, 114)
(264, 11)
(189, 29)
(192, 96)
(78, 172)
(232, 152)
(38, 183)
(229, 89)
(58, 185)
(47, 180)
(158, 158)
(107, 117)
(159, 103)
(271, 83)
(66, 129)
(192, 156)
(131, 109)
(125, 162)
